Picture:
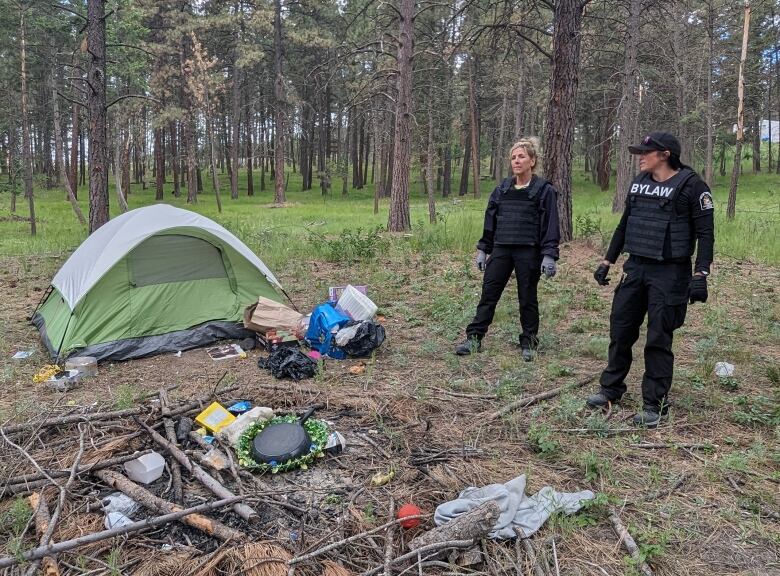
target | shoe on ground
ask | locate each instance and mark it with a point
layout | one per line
(528, 354)
(648, 418)
(597, 400)
(469, 346)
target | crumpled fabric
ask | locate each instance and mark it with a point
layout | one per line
(289, 363)
(528, 513)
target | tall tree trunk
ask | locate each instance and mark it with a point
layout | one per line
(429, 164)
(446, 188)
(159, 163)
(173, 134)
(236, 124)
(119, 171)
(188, 125)
(464, 172)
(250, 179)
(74, 151)
(352, 130)
(628, 109)
(756, 132)
(280, 107)
(474, 123)
(59, 153)
(379, 141)
(26, 149)
(125, 163)
(732, 203)
(500, 164)
(399, 219)
(559, 128)
(96, 81)
(213, 155)
(365, 137)
(708, 160)
(522, 72)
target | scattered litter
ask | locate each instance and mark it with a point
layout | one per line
(314, 355)
(336, 444)
(724, 369)
(86, 365)
(122, 503)
(368, 337)
(226, 351)
(116, 520)
(233, 431)
(46, 372)
(325, 323)
(380, 479)
(526, 513)
(214, 417)
(272, 339)
(183, 429)
(22, 354)
(335, 292)
(357, 369)
(216, 459)
(268, 314)
(289, 363)
(409, 510)
(239, 407)
(248, 343)
(145, 469)
(346, 334)
(178, 354)
(356, 305)
(209, 439)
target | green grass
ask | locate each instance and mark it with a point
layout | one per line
(306, 228)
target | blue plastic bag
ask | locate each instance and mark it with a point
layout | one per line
(325, 319)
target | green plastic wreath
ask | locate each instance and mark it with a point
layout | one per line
(316, 429)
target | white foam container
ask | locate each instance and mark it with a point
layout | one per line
(145, 469)
(86, 365)
(356, 305)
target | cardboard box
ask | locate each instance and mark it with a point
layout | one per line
(269, 315)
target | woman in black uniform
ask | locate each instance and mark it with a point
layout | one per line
(521, 234)
(669, 210)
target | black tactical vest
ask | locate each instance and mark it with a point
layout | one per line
(653, 221)
(518, 220)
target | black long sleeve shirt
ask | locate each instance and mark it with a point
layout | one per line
(696, 199)
(549, 232)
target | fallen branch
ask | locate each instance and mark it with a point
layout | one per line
(473, 525)
(663, 446)
(530, 553)
(437, 547)
(246, 512)
(160, 506)
(171, 433)
(675, 486)
(629, 544)
(114, 415)
(526, 401)
(38, 504)
(389, 540)
(42, 551)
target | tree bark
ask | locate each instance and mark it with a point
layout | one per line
(708, 155)
(119, 172)
(500, 163)
(40, 509)
(74, 152)
(474, 124)
(60, 154)
(429, 164)
(399, 219)
(236, 124)
(559, 128)
(26, 149)
(627, 109)
(250, 179)
(172, 138)
(464, 172)
(474, 524)
(96, 104)
(280, 105)
(732, 202)
(159, 163)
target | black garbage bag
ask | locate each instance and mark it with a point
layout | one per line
(369, 336)
(289, 363)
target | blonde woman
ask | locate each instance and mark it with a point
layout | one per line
(521, 234)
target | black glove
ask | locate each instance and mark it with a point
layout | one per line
(698, 289)
(601, 274)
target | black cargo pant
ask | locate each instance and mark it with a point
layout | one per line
(659, 290)
(526, 261)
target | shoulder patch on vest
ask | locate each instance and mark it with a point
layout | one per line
(705, 201)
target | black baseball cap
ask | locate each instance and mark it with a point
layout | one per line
(660, 141)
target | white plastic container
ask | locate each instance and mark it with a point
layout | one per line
(122, 503)
(356, 305)
(145, 469)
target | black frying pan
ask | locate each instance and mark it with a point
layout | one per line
(283, 441)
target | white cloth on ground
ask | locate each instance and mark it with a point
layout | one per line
(528, 513)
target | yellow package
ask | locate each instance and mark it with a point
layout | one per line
(214, 418)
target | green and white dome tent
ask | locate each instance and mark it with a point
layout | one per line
(155, 279)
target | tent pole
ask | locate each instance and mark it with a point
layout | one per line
(62, 341)
(290, 299)
(45, 295)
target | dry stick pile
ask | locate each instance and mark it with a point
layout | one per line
(208, 522)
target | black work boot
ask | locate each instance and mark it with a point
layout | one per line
(528, 353)
(469, 346)
(597, 400)
(648, 417)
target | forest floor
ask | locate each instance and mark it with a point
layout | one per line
(706, 502)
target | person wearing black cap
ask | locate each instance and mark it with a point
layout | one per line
(669, 210)
(521, 233)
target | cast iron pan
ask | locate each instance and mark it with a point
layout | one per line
(282, 441)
